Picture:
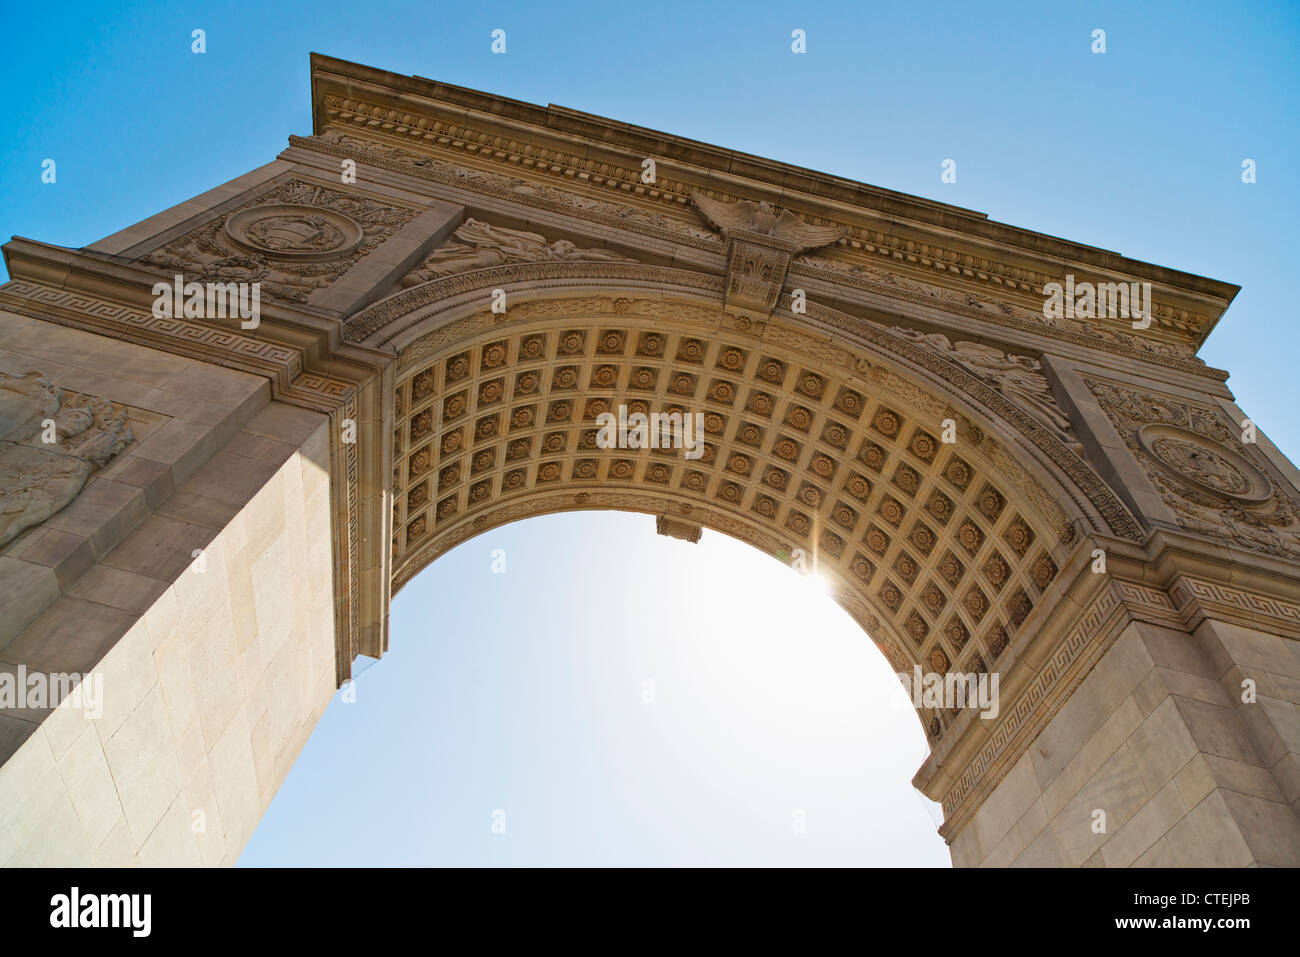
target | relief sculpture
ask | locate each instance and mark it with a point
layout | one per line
(48, 448)
(294, 240)
(478, 245)
(1204, 473)
(1019, 378)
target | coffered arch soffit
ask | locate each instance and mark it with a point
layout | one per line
(418, 321)
(815, 438)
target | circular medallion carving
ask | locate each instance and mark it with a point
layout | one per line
(1205, 465)
(288, 231)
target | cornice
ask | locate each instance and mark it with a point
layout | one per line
(595, 151)
(446, 176)
(906, 257)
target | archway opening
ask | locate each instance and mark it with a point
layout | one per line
(936, 532)
(575, 689)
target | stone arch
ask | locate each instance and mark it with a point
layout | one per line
(814, 439)
(317, 432)
(891, 356)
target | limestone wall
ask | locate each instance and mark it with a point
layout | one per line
(214, 671)
(1158, 738)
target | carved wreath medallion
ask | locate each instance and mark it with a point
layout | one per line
(1205, 465)
(296, 239)
(294, 232)
(1205, 477)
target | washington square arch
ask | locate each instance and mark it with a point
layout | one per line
(407, 329)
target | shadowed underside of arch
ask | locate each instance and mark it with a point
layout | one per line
(814, 439)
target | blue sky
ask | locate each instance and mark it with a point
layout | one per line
(495, 700)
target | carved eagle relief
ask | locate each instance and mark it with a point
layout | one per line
(762, 239)
(765, 219)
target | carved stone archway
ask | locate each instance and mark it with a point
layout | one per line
(498, 420)
(229, 502)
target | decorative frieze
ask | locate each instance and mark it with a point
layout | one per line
(531, 192)
(1034, 706)
(427, 133)
(184, 336)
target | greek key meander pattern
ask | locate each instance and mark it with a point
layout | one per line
(1190, 590)
(351, 570)
(180, 330)
(117, 317)
(1138, 595)
(114, 319)
(1027, 705)
(1187, 596)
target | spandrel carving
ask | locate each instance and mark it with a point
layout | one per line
(480, 245)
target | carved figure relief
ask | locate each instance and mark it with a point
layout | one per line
(1017, 377)
(478, 245)
(299, 238)
(995, 308)
(38, 478)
